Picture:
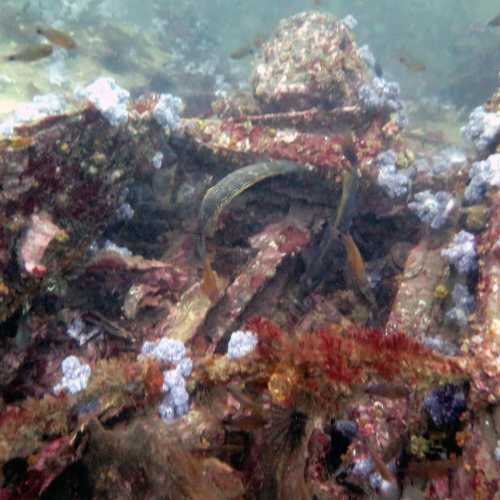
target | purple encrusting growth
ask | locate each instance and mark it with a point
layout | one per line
(381, 95)
(462, 252)
(433, 208)
(463, 305)
(175, 402)
(448, 162)
(445, 405)
(482, 129)
(167, 111)
(483, 176)
(395, 183)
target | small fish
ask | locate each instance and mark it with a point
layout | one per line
(57, 38)
(356, 266)
(32, 53)
(411, 64)
(378, 69)
(242, 52)
(495, 22)
(250, 48)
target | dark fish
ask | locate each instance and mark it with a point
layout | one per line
(411, 64)
(242, 52)
(249, 49)
(218, 197)
(495, 22)
(32, 53)
(378, 69)
(347, 205)
(57, 37)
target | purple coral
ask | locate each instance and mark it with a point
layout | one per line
(483, 176)
(381, 95)
(445, 405)
(462, 252)
(482, 129)
(395, 183)
(433, 208)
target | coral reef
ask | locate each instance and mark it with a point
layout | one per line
(328, 335)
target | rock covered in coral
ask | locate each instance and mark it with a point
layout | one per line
(62, 178)
(311, 60)
(40, 107)
(40, 233)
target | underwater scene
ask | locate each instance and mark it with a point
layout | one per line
(249, 250)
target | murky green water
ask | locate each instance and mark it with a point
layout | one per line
(434, 49)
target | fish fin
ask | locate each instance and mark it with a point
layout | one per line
(355, 261)
(209, 285)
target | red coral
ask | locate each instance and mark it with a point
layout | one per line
(335, 353)
(271, 337)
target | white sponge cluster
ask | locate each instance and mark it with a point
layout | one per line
(175, 402)
(241, 343)
(109, 98)
(75, 376)
(168, 110)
